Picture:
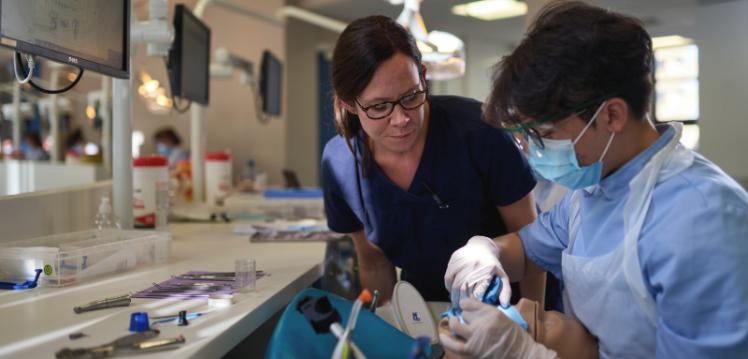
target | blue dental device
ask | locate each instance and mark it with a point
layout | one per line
(25, 285)
(492, 297)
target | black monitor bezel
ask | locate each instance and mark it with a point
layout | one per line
(264, 70)
(176, 54)
(74, 60)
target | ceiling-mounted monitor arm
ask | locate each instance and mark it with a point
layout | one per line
(311, 18)
(201, 5)
(282, 14)
(223, 67)
(157, 32)
(225, 62)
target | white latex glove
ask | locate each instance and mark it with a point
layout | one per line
(489, 333)
(471, 269)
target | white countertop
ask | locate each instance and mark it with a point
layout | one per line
(36, 323)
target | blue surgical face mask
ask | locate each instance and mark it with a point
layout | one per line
(557, 162)
(163, 149)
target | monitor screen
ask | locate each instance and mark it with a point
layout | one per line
(271, 81)
(92, 34)
(189, 58)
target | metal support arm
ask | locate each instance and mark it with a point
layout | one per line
(158, 34)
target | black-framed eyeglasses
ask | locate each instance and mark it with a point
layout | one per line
(381, 110)
(531, 134)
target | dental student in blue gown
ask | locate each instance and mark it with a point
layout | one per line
(651, 240)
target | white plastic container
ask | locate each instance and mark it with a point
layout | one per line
(217, 177)
(77, 256)
(150, 183)
(409, 312)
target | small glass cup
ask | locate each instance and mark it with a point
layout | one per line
(244, 276)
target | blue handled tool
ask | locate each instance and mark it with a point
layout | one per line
(420, 348)
(492, 297)
(25, 285)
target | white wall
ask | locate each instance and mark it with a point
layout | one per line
(230, 118)
(723, 74)
(51, 212)
(304, 42)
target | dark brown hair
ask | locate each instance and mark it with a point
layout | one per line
(573, 54)
(362, 47)
(73, 138)
(167, 134)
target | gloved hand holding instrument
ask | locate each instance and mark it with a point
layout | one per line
(471, 270)
(489, 333)
(486, 332)
(495, 329)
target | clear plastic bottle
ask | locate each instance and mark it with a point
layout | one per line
(250, 171)
(105, 219)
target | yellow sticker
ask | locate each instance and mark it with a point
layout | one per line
(48, 269)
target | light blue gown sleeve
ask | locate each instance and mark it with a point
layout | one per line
(694, 262)
(546, 237)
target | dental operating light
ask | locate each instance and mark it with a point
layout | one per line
(443, 53)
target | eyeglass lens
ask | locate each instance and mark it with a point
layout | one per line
(384, 109)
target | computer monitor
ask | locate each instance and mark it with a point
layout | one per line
(291, 179)
(189, 57)
(91, 34)
(271, 81)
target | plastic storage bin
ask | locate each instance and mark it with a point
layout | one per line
(77, 256)
(278, 203)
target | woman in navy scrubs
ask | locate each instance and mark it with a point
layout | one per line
(412, 176)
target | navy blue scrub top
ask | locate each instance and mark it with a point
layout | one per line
(468, 165)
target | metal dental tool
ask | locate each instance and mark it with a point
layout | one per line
(228, 276)
(120, 301)
(77, 335)
(159, 344)
(130, 344)
(174, 318)
(217, 276)
(374, 301)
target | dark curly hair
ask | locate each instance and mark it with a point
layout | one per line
(574, 55)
